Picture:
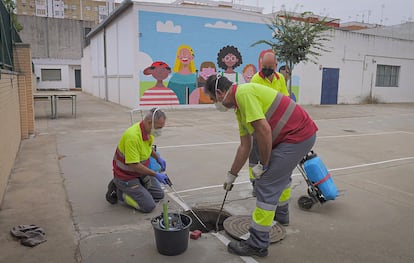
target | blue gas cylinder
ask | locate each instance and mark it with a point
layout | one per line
(320, 177)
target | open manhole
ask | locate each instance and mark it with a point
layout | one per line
(238, 228)
(209, 217)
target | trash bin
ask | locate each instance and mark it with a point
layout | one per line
(173, 241)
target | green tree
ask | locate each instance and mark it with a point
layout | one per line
(10, 5)
(299, 38)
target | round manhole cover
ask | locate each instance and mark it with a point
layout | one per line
(238, 228)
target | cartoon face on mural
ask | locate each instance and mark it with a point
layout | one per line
(159, 70)
(248, 71)
(184, 63)
(198, 96)
(228, 59)
(158, 94)
(184, 80)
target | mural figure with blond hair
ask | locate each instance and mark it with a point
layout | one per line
(183, 80)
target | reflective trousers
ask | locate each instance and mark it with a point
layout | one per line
(283, 160)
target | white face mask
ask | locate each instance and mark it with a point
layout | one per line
(155, 132)
(220, 107)
(219, 104)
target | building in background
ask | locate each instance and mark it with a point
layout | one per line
(56, 45)
(90, 10)
(188, 36)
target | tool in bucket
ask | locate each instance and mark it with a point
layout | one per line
(221, 209)
(179, 197)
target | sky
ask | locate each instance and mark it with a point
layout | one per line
(385, 12)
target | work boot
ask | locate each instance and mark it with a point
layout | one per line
(282, 214)
(241, 248)
(111, 196)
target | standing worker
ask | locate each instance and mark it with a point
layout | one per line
(284, 135)
(134, 183)
(267, 76)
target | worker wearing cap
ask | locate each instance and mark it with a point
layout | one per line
(134, 182)
(284, 134)
(268, 76)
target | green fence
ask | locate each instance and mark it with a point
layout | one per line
(8, 36)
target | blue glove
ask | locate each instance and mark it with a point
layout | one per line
(162, 178)
(162, 163)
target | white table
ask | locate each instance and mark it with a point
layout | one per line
(54, 97)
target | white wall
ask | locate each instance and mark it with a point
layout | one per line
(64, 84)
(357, 56)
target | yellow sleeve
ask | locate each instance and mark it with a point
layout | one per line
(283, 88)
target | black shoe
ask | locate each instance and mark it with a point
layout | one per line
(241, 248)
(111, 196)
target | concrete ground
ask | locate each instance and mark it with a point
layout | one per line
(60, 177)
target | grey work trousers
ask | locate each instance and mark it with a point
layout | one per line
(283, 160)
(145, 198)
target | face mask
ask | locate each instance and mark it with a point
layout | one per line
(267, 71)
(219, 104)
(220, 107)
(155, 132)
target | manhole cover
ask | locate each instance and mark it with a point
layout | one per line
(209, 217)
(238, 228)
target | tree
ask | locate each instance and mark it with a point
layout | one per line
(10, 5)
(298, 38)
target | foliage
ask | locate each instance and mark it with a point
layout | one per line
(299, 38)
(10, 5)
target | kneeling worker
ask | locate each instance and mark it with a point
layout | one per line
(134, 183)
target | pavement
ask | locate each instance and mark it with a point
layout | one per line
(60, 177)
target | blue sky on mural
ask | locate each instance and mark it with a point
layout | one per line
(162, 33)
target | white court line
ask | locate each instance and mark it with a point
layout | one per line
(296, 174)
(226, 241)
(318, 137)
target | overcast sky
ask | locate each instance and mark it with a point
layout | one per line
(387, 12)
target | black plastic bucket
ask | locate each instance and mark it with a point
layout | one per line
(173, 241)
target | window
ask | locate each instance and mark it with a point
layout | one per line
(51, 75)
(387, 76)
(74, 7)
(88, 8)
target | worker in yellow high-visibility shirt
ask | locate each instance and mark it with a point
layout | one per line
(268, 76)
(284, 135)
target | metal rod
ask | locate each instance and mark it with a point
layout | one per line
(221, 209)
(191, 210)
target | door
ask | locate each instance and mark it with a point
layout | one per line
(330, 79)
(77, 78)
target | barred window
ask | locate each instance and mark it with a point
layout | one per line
(51, 74)
(387, 76)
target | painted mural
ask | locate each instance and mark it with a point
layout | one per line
(197, 47)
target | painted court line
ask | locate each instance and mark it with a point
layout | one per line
(318, 137)
(297, 174)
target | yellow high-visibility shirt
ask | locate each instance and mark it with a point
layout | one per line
(278, 82)
(253, 101)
